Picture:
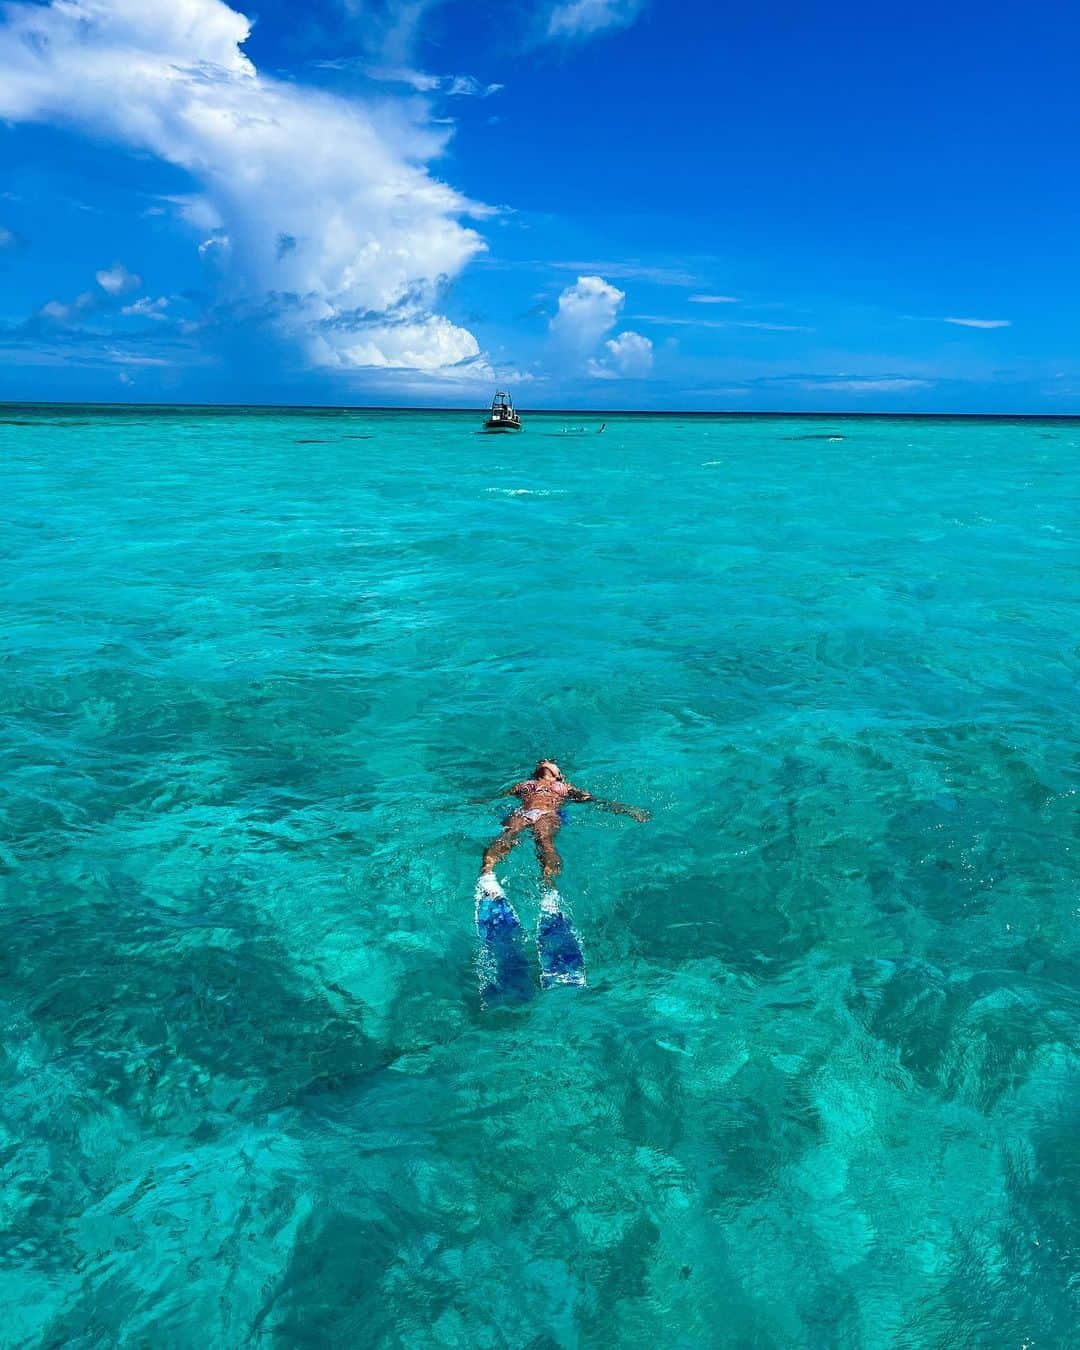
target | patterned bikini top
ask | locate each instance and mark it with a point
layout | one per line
(531, 785)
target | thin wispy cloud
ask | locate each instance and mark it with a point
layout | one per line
(772, 327)
(146, 308)
(112, 283)
(11, 241)
(469, 87)
(981, 323)
(389, 29)
(714, 299)
(959, 322)
(681, 321)
(134, 358)
(420, 81)
(584, 18)
(631, 271)
(18, 352)
(60, 311)
(862, 384)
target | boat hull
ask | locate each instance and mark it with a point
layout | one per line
(502, 426)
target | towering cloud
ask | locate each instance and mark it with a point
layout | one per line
(321, 209)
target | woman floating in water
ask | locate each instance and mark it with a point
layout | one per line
(543, 797)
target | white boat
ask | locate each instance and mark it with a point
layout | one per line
(502, 416)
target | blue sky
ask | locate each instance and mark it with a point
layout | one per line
(600, 203)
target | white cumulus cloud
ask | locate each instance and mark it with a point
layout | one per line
(64, 313)
(429, 343)
(587, 310)
(372, 236)
(582, 18)
(145, 308)
(117, 279)
(214, 247)
(631, 354)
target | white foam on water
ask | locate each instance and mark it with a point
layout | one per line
(526, 492)
(488, 887)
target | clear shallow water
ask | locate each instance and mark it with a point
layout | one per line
(822, 1089)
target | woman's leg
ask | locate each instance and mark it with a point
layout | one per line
(544, 831)
(499, 848)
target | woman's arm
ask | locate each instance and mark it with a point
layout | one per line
(576, 794)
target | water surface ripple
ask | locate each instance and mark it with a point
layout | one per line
(822, 1088)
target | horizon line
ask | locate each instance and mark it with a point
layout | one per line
(540, 412)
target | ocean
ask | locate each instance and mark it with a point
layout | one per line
(264, 673)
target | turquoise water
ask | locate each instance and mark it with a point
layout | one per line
(821, 1090)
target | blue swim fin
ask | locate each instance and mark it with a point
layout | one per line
(561, 958)
(501, 964)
